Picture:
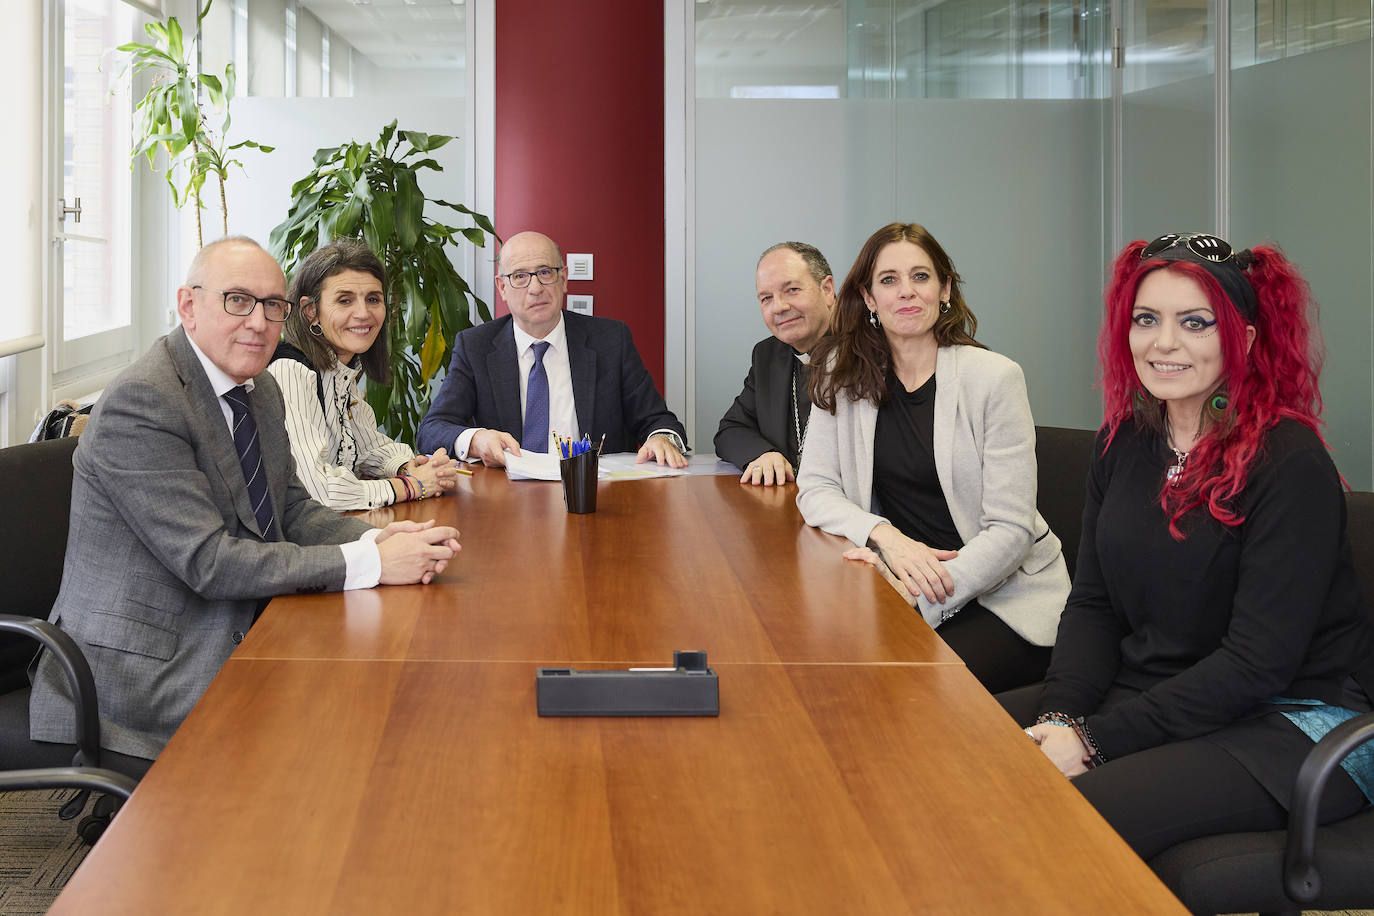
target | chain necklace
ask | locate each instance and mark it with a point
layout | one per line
(796, 414)
(1175, 471)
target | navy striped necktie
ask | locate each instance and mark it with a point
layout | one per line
(535, 435)
(250, 458)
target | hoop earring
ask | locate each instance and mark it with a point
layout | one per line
(317, 330)
(944, 308)
(873, 319)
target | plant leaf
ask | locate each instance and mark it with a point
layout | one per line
(432, 351)
(409, 208)
(416, 139)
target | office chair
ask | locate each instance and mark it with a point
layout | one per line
(1062, 458)
(33, 545)
(1281, 872)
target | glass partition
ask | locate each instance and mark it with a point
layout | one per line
(354, 68)
(982, 119)
(1300, 176)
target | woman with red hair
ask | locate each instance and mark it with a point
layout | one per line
(1215, 628)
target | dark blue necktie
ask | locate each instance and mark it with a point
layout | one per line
(250, 457)
(535, 436)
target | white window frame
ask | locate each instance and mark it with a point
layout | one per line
(76, 368)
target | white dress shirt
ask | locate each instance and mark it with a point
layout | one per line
(362, 559)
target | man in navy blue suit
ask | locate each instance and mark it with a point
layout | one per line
(539, 370)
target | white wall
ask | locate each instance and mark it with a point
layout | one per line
(260, 198)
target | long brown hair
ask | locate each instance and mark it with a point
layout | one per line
(854, 357)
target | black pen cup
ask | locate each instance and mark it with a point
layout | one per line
(579, 482)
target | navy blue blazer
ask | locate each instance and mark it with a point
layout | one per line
(612, 391)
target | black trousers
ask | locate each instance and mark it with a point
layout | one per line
(993, 651)
(1160, 797)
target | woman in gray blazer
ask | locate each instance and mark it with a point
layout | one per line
(921, 451)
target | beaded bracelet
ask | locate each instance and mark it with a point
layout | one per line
(1080, 728)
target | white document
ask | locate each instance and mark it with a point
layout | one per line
(532, 466)
(620, 466)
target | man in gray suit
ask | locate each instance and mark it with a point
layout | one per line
(187, 515)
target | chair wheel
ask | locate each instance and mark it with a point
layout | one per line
(106, 806)
(91, 828)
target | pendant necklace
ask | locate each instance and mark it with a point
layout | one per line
(1175, 471)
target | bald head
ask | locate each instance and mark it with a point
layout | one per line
(528, 242)
(240, 345)
(537, 307)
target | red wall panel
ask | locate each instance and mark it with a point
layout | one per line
(579, 146)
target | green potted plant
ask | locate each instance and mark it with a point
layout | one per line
(372, 191)
(173, 117)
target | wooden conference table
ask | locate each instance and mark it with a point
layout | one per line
(379, 751)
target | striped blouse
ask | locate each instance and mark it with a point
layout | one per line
(342, 459)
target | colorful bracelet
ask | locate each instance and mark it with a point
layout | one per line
(1080, 728)
(405, 482)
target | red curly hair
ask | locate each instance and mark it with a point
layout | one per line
(1277, 378)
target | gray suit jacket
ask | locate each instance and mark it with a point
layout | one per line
(985, 459)
(165, 564)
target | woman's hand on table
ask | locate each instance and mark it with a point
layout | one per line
(1062, 746)
(437, 472)
(919, 568)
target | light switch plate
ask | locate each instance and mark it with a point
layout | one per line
(582, 305)
(579, 267)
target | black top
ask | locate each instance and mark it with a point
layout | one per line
(904, 478)
(1212, 626)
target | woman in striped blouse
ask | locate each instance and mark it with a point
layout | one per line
(335, 333)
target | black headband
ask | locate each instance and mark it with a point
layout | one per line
(1228, 270)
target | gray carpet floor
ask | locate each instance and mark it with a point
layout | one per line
(38, 851)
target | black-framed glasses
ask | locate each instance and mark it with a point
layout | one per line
(1205, 246)
(521, 278)
(241, 305)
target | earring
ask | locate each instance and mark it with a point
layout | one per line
(317, 330)
(873, 319)
(944, 308)
(1216, 406)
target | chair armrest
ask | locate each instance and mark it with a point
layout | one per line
(107, 781)
(1300, 879)
(78, 673)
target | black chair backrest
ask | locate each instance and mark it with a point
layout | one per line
(1359, 528)
(1062, 457)
(33, 544)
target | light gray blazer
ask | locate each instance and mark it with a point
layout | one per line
(165, 563)
(985, 460)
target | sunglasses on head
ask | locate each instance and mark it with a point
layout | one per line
(1207, 247)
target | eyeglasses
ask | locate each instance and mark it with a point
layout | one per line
(241, 305)
(1207, 247)
(521, 278)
